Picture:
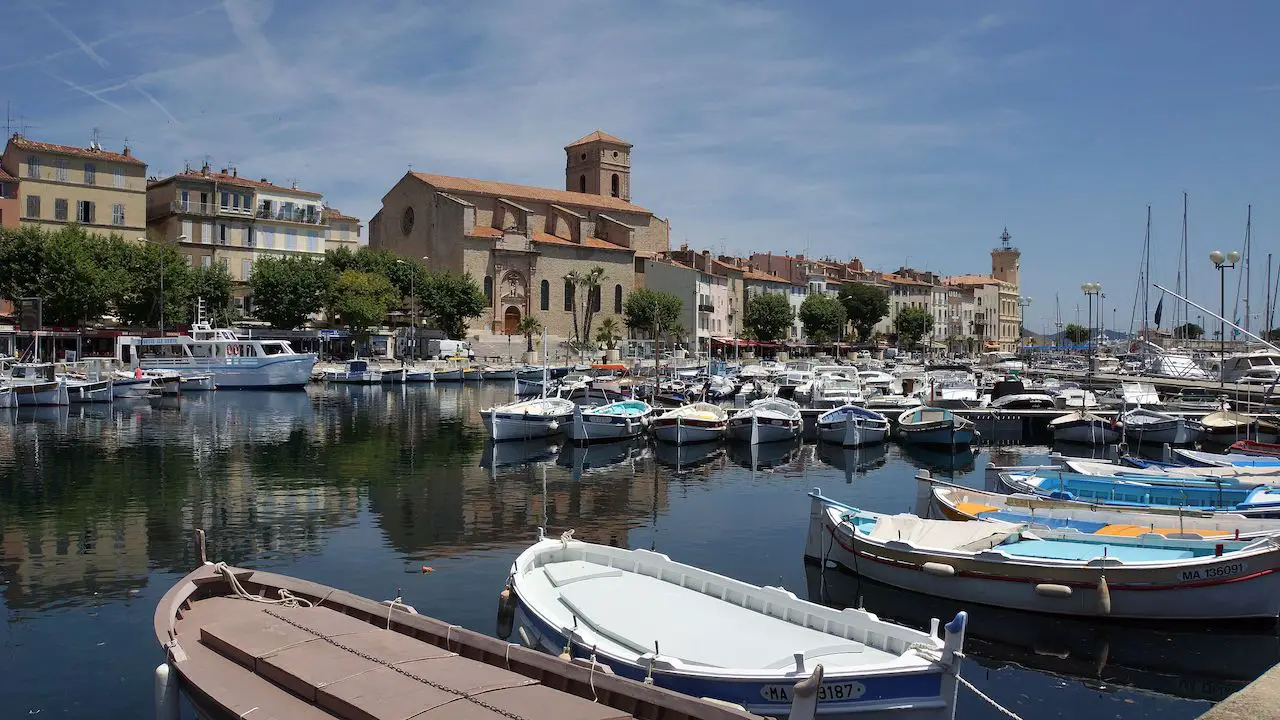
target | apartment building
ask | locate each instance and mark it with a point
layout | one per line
(9, 207)
(104, 192)
(344, 230)
(208, 215)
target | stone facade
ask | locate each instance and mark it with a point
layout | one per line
(9, 207)
(520, 241)
(104, 192)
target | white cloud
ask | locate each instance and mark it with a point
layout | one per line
(749, 124)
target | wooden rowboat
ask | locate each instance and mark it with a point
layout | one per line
(243, 641)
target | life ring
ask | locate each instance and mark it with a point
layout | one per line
(233, 350)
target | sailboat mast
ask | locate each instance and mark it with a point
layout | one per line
(1248, 242)
(1183, 271)
(1146, 274)
(1266, 302)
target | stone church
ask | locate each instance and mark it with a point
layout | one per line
(521, 241)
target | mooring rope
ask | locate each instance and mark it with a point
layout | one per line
(286, 598)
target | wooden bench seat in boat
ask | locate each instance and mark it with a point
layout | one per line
(337, 666)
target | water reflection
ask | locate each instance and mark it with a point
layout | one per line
(601, 457)
(764, 456)
(853, 461)
(687, 458)
(1171, 659)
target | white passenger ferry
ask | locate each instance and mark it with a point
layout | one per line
(235, 363)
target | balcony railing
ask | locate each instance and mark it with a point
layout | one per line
(193, 208)
(297, 216)
(706, 308)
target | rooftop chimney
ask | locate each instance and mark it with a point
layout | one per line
(125, 152)
(205, 170)
(224, 171)
(235, 172)
(265, 181)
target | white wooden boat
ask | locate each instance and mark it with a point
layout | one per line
(419, 375)
(131, 385)
(1084, 427)
(1075, 398)
(449, 375)
(537, 418)
(355, 372)
(243, 643)
(767, 420)
(36, 384)
(1261, 473)
(1199, 458)
(853, 426)
(694, 423)
(831, 390)
(1227, 426)
(395, 376)
(706, 635)
(1144, 425)
(1013, 394)
(1148, 493)
(892, 403)
(81, 390)
(196, 383)
(1063, 572)
(957, 502)
(622, 419)
(936, 426)
(526, 387)
(502, 372)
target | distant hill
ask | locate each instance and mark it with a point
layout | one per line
(1057, 338)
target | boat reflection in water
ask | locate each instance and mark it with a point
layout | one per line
(938, 460)
(763, 456)
(1207, 664)
(519, 452)
(853, 460)
(582, 459)
(686, 457)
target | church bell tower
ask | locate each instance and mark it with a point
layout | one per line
(599, 164)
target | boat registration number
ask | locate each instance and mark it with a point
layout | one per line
(827, 692)
(1212, 573)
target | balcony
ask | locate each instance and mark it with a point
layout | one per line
(297, 215)
(193, 208)
(706, 308)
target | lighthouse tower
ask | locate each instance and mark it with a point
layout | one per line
(1006, 260)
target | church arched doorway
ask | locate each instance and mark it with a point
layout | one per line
(511, 319)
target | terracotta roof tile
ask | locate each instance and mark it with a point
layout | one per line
(6, 176)
(235, 180)
(597, 135)
(26, 144)
(589, 242)
(485, 231)
(728, 266)
(527, 192)
(339, 215)
(764, 276)
(971, 280)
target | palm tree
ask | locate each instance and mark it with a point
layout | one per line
(609, 333)
(587, 294)
(528, 327)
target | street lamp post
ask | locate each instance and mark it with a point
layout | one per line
(413, 312)
(1090, 289)
(1023, 302)
(1222, 262)
(181, 238)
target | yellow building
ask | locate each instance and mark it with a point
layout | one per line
(344, 230)
(105, 192)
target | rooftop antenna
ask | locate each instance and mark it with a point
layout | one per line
(96, 138)
(23, 125)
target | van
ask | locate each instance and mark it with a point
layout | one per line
(445, 349)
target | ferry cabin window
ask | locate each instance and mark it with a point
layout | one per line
(274, 348)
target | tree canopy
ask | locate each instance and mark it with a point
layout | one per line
(288, 290)
(450, 299)
(768, 316)
(823, 317)
(913, 324)
(643, 307)
(1076, 333)
(1188, 331)
(865, 305)
(363, 299)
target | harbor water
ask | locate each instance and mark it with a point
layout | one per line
(394, 491)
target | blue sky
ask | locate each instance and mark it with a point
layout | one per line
(896, 132)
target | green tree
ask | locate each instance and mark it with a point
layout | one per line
(1188, 331)
(139, 270)
(363, 299)
(1076, 333)
(450, 299)
(213, 284)
(529, 326)
(865, 305)
(586, 301)
(768, 316)
(69, 270)
(288, 290)
(913, 324)
(823, 317)
(609, 333)
(652, 311)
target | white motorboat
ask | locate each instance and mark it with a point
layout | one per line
(37, 384)
(832, 390)
(936, 427)
(1003, 362)
(853, 426)
(693, 423)
(196, 383)
(527, 419)
(1075, 398)
(1132, 395)
(157, 382)
(419, 375)
(952, 386)
(1081, 426)
(1144, 425)
(892, 403)
(355, 372)
(767, 420)
(680, 627)
(131, 385)
(500, 372)
(236, 363)
(622, 419)
(83, 390)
